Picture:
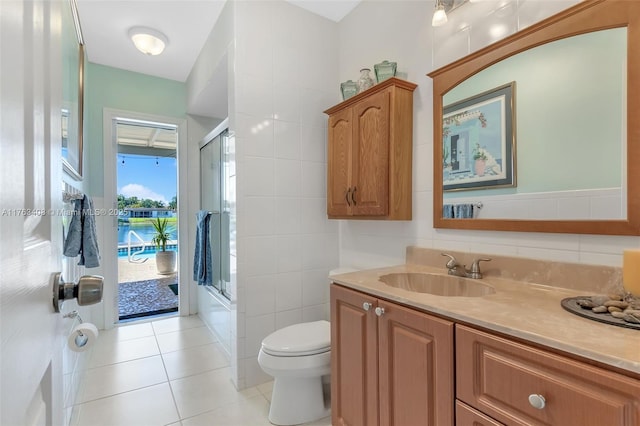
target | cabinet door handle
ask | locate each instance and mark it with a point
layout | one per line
(346, 197)
(353, 195)
(379, 311)
(366, 306)
(537, 401)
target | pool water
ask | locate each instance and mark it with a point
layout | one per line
(149, 251)
(146, 231)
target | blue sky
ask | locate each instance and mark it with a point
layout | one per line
(139, 176)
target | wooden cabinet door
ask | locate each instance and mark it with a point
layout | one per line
(370, 156)
(339, 163)
(416, 368)
(354, 359)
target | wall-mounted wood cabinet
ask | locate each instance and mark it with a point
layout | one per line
(370, 154)
(390, 365)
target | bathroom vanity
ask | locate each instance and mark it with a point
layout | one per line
(508, 357)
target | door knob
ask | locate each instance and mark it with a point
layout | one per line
(537, 401)
(88, 290)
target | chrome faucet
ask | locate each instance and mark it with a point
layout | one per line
(454, 268)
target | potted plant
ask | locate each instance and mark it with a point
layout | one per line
(165, 260)
(480, 157)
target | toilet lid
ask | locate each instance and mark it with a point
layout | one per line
(299, 339)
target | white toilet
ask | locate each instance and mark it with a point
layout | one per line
(297, 357)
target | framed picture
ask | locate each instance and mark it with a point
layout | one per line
(479, 144)
(72, 113)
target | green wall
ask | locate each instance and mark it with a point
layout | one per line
(569, 111)
(107, 87)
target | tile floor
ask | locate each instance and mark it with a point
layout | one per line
(166, 372)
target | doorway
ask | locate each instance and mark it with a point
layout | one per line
(147, 228)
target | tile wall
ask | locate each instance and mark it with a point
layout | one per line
(402, 32)
(285, 76)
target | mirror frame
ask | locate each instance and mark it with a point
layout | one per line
(585, 17)
(74, 169)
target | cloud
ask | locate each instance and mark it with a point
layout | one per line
(142, 192)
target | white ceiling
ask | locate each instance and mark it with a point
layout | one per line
(186, 23)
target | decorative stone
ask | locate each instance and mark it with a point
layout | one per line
(614, 296)
(620, 315)
(586, 303)
(600, 309)
(614, 309)
(600, 300)
(632, 317)
(617, 303)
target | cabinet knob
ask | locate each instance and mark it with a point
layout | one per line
(366, 306)
(537, 401)
(346, 196)
(353, 195)
(379, 311)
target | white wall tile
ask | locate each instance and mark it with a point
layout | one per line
(315, 313)
(314, 178)
(255, 96)
(258, 328)
(287, 318)
(531, 12)
(314, 143)
(262, 224)
(256, 177)
(288, 215)
(289, 253)
(287, 139)
(288, 178)
(315, 288)
(313, 215)
(286, 104)
(260, 255)
(256, 135)
(288, 291)
(261, 294)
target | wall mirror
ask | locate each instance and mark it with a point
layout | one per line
(575, 145)
(72, 90)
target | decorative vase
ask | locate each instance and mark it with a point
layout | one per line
(349, 88)
(385, 70)
(480, 167)
(365, 81)
(166, 262)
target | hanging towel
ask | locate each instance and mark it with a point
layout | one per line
(202, 264)
(464, 211)
(447, 211)
(82, 238)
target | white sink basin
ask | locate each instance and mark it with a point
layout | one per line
(439, 285)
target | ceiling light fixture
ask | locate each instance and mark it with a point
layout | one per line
(148, 41)
(439, 15)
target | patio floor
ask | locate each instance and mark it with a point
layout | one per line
(144, 292)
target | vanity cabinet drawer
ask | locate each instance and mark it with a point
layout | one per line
(520, 385)
(467, 416)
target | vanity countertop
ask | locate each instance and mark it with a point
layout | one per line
(523, 310)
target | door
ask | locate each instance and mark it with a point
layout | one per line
(354, 358)
(339, 161)
(416, 367)
(30, 197)
(370, 156)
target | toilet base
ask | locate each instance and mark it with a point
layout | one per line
(297, 400)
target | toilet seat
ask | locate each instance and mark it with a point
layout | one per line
(299, 340)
